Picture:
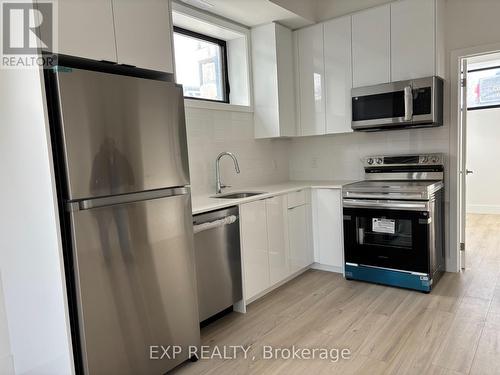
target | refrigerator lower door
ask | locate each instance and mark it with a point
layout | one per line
(136, 288)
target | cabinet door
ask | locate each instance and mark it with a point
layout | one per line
(277, 234)
(85, 29)
(371, 46)
(338, 75)
(413, 48)
(286, 82)
(144, 33)
(328, 227)
(254, 247)
(311, 80)
(298, 229)
(265, 81)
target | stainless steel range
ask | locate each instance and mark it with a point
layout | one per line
(394, 222)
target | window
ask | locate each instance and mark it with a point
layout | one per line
(201, 65)
(483, 88)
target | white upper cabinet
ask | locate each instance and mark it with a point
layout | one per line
(413, 39)
(371, 46)
(143, 34)
(311, 80)
(129, 32)
(338, 74)
(85, 29)
(273, 83)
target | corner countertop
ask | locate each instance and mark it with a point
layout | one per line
(205, 202)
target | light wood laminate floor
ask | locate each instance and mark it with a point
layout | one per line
(453, 330)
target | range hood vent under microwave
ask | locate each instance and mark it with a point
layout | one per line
(405, 104)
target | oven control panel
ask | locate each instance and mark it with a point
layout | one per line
(403, 160)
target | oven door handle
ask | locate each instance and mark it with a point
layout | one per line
(388, 205)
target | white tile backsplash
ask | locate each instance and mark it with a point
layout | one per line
(212, 131)
(339, 157)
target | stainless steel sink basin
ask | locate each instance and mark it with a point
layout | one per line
(238, 195)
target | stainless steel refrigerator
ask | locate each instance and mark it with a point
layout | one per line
(121, 144)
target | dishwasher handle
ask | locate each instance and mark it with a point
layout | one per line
(231, 219)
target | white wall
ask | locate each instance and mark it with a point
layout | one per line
(6, 364)
(212, 131)
(30, 254)
(483, 153)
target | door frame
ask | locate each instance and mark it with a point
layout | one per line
(456, 145)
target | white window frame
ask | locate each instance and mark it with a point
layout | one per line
(245, 74)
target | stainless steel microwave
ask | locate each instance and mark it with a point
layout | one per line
(396, 105)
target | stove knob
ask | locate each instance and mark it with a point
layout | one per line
(379, 160)
(425, 159)
(435, 159)
(370, 161)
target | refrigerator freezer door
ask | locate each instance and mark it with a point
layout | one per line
(120, 134)
(135, 279)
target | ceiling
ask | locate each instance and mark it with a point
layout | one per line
(291, 13)
(253, 12)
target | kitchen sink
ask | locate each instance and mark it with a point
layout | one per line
(239, 195)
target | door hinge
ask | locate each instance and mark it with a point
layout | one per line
(463, 82)
(462, 246)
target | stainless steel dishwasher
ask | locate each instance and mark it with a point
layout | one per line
(218, 261)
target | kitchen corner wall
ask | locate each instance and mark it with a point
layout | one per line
(213, 131)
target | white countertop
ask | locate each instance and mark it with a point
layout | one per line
(205, 202)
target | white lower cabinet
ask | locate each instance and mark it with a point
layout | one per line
(275, 241)
(254, 247)
(328, 229)
(277, 236)
(298, 228)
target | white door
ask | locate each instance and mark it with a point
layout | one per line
(254, 247)
(371, 46)
(463, 161)
(311, 79)
(338, 75)
(277, 234)
(413, 47)
(143, 34)
(85, 29)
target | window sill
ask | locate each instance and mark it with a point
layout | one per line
(193, 103)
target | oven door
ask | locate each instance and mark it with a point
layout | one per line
(388, 235)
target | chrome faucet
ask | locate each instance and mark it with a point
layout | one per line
(218, 184)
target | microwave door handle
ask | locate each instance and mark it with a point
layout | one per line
(408, 93)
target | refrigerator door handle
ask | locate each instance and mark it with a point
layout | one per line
(88, 204)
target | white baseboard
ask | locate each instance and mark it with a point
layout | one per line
(325, 267)
(483, 209)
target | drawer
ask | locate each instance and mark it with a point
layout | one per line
(297, 198)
